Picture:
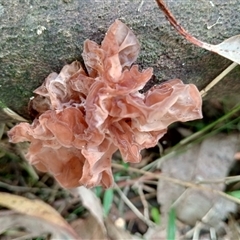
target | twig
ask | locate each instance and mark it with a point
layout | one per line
(14, 115)
(147, 188)
(133, 208)
(121, 202)
(147, 196)
(129, 182)
(226, 180)
(179, 28)
(143, 200)
(204, 91)
(151, 182)
(22, 189)
(178, 182)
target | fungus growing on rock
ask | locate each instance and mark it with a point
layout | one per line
(84, 117)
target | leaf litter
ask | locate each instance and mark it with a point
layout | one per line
(208, 164)
(96, 225)
(34, 211)
(209, 160)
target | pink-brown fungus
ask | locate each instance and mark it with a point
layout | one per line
(84, 117)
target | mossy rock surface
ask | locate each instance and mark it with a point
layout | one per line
(40, 36)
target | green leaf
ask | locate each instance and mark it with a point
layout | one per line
(107, 201)
(117, 176)
(155, 214)
(235, 194)
(126, 165)
(171, 228)
(98, 190)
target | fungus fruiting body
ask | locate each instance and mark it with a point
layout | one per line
(85, 116)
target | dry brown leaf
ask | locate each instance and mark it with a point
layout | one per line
(103, 226)
(38, 212)
(95, 220)
(207, 161)
(92, 203)
(230, 48)
(33, 226)
(89, 228)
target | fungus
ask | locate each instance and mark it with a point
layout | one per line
(85, 116)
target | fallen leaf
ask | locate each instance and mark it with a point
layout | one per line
(89, 228)
(37, 212)
(102, 226)
(32, 225)
(209, 160)
(92, 203)
(230, 48)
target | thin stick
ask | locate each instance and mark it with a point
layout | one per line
(14, 115)
(178, 182)
(179, 28)
(133, 208)
(121, 202)
(226, 180)
(143, 200)
(23, 189)
(148, 189)
(204, 91)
